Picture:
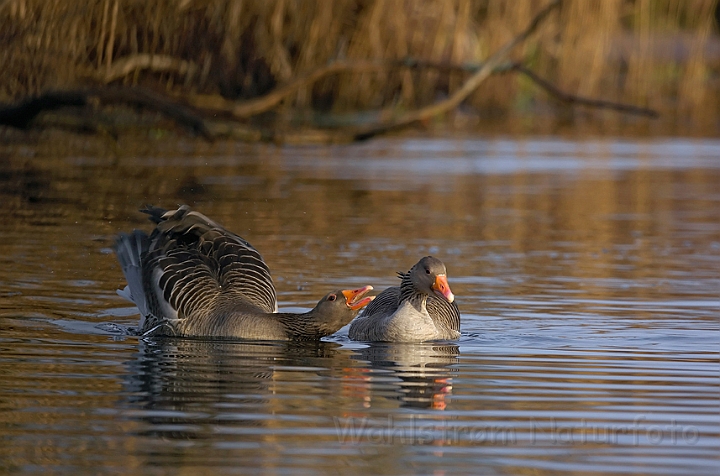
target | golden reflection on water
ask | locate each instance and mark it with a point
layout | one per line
(591, 223)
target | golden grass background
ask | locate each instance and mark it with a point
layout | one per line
(654, 53)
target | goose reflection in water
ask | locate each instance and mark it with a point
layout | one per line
(182, 387)
(192, 389)
(419, 375)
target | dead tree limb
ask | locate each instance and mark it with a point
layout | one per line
(550, 88)
(467, 88)
(250, 108)
(21, 115)
(253, 107)
(245, 109)
(145, 98)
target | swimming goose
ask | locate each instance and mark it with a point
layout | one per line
(192, 277)
(421, 308)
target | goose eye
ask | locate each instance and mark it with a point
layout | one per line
(331, 297)
(427, 270)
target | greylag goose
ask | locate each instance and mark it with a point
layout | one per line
(420, 309)
(192, 277)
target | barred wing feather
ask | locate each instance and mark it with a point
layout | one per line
(200, 259)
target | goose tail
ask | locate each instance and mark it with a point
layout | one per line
(129, 248)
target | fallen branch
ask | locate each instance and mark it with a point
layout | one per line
(218, 104)
(245, 109)
(543, 83)
(21, 115)
(249, 108)
(467, 88)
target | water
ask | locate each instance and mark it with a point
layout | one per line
(586, 273)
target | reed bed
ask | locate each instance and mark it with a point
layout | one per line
(654, 53)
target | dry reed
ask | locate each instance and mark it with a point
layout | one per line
(646, 52)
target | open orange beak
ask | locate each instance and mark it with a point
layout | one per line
(442, 288)
(354, 298)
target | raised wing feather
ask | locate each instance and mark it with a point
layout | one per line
(193, 265)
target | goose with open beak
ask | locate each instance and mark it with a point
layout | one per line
(192, 277)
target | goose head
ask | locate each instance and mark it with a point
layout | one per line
(430, 276)
(338, 308)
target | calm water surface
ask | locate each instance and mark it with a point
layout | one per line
(587, 273)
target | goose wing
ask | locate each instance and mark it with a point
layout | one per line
(445, 314)
(193, 262)
(384, 304)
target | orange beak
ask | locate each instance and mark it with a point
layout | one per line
(354, 297)
(442, 288)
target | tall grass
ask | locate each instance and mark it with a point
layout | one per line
(653, 53)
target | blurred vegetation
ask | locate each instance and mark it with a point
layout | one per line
(662, 54)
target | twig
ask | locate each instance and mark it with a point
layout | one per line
(124, 66)
(572, 99)
(111, 36)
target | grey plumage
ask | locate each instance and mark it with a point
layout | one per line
(413, 311)
(192, 277)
